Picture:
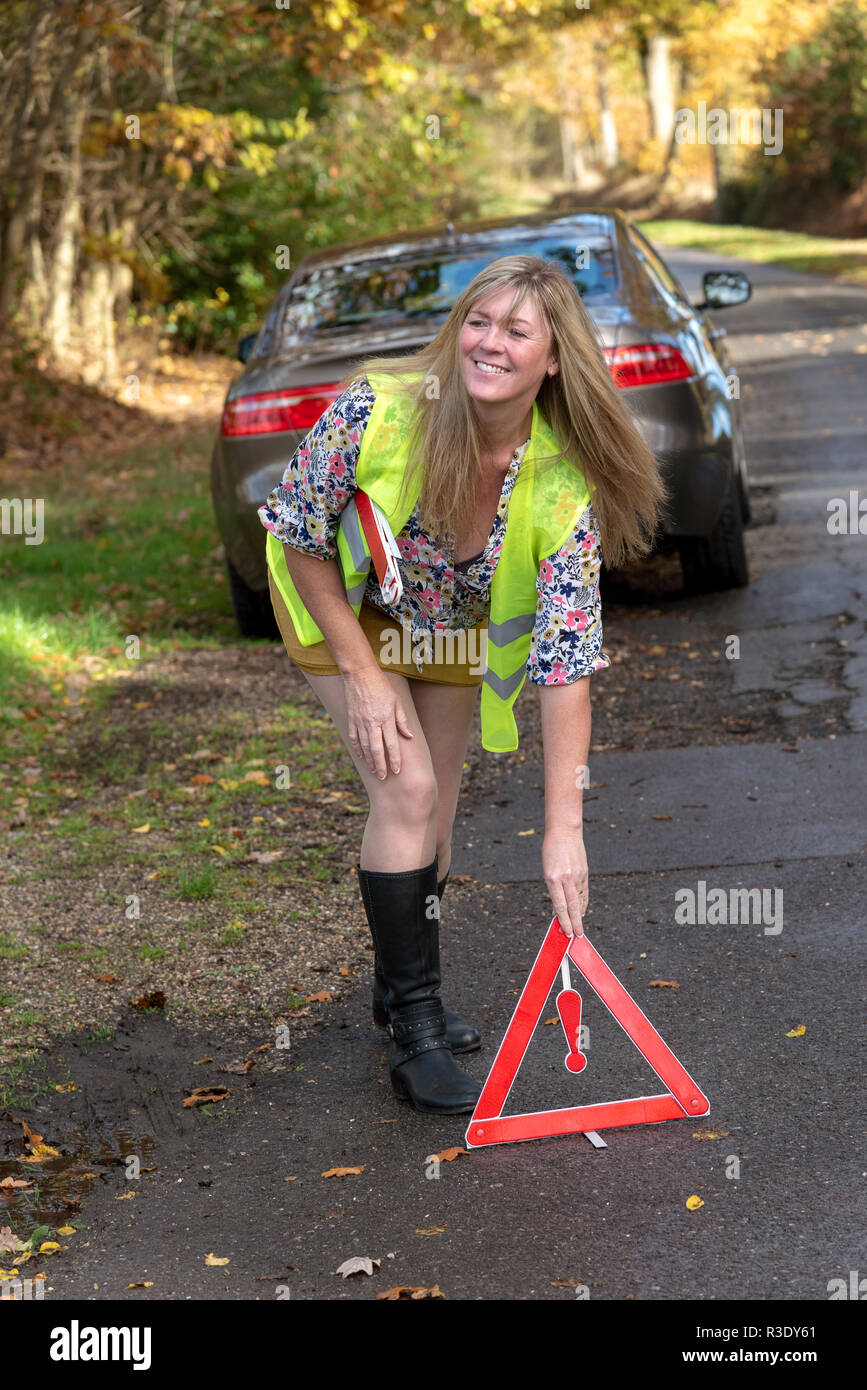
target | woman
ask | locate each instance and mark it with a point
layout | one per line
(483, 449)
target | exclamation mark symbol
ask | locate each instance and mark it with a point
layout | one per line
(569, 1009)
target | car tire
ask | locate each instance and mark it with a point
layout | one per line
(743, 485)
(717, 561)
(254, 612)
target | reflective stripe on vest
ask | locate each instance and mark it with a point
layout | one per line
(545, 506)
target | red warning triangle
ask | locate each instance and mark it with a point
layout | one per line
(490, 1126)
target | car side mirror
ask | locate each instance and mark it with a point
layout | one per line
(723, 288)
(245, 346)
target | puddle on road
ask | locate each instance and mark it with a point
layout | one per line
(61, 1185)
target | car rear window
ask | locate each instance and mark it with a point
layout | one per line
(336, 299)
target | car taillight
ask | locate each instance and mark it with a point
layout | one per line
(268, 412)
(643, 364)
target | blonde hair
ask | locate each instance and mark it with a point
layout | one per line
(586, 412)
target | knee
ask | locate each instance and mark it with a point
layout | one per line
(413, 792)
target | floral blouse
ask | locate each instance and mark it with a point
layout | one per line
(319, 480)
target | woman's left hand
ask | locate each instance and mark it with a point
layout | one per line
(564, 864)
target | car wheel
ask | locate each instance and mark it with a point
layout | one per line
(743, 486)
(253, 609)
(717, 561)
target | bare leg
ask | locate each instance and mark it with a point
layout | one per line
(445, 713)
(401, 830)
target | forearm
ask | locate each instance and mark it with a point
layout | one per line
(565, 711)
(320, 586)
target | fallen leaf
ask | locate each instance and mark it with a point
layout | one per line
(202, 1060)
(65, 1086)
(200, 779)
(106, 979)
(526, 832)
(264, 856)
(446, 1155)
(345, 970)
(662, 817)
(203, 822)
(341, 1172)
(429, 1230)
(215, 1260)
(206, 1095)
(66, 1231)
(8, 1241)
(407, 1291)
(547, 1023)
(693, 1203)
(148, 1284)
(40, 1151)
(155, 1000)
(359, 1264)
(16, 1182)
(258, 777)
(565, 1283)
(141, 829)
(323, 997)
(218, 849)
(49, 1247)
(291, 1179)
(711, 1134)
(240, 1067)
(665, 984)
(797, 1032)
(124, 1197)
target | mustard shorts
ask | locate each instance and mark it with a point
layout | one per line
(454, 662)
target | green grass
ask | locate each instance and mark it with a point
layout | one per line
(9, 951)
(115, 563)
(770, 246)
(199, 882)
(232, 933)
(152, 952)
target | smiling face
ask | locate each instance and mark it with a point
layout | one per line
(522, 350)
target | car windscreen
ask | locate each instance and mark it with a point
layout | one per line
(336, 299)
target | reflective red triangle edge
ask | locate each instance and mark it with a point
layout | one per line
(684, 1099)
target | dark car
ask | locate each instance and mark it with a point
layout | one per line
(387, 295)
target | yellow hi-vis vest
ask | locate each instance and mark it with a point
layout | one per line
(545, 506)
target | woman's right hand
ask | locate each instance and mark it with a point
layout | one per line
(375, 717)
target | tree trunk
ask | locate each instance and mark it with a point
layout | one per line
(659, 84)
(58, 317)
(610, 152)
(570, 150)
(24, 177)
(571, 153)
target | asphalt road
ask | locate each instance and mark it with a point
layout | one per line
(554, 1219)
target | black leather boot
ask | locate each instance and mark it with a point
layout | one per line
(406, 941)
(460, 1035)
